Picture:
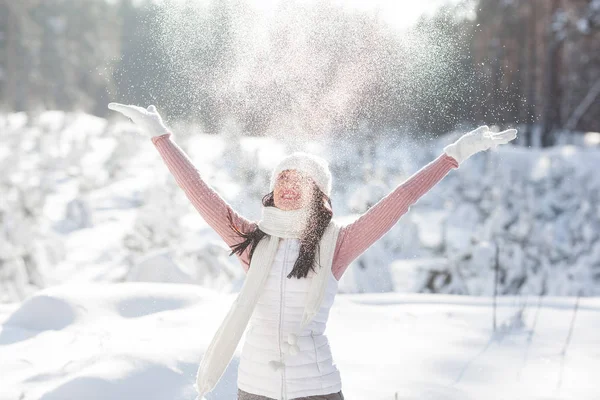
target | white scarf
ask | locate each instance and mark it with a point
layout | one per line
(277, 224)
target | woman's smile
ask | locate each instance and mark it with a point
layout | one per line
(287, 194)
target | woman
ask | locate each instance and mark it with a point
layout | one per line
(293, 258)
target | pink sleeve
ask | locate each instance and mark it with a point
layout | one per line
(212, 207)
(359, 235)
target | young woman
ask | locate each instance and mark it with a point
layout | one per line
(293, 258)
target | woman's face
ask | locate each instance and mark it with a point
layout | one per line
(293, 190)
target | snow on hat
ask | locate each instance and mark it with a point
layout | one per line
(313, 166)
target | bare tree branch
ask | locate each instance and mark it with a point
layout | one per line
(585, 104)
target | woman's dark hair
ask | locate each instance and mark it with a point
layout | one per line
(320, 215)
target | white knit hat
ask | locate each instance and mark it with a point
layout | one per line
(313, 166)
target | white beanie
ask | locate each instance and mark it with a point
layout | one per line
(313, 166)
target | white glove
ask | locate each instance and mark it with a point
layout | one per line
(478, 140)
(147, 119)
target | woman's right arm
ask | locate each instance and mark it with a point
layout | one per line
(212, 207)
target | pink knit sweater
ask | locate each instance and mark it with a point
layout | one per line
(354, 238)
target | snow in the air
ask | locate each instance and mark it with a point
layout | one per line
(112, 285)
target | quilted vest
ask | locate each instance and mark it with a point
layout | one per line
(278, 312)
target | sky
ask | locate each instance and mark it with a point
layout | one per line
(398, 13)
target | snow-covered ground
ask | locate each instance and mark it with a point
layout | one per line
(144, 341)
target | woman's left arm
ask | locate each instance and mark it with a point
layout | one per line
(359, 235)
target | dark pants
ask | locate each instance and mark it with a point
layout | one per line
(249, 396)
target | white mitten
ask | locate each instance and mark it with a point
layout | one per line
(478, 140)
(147, 119)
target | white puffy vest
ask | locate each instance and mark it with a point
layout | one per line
(278, 312)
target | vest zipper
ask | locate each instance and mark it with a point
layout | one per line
(281, 298)
(315, 347)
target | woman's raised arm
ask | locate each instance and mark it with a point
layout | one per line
(212, 207)
(359, 235)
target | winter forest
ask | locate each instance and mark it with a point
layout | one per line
(489, 285)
